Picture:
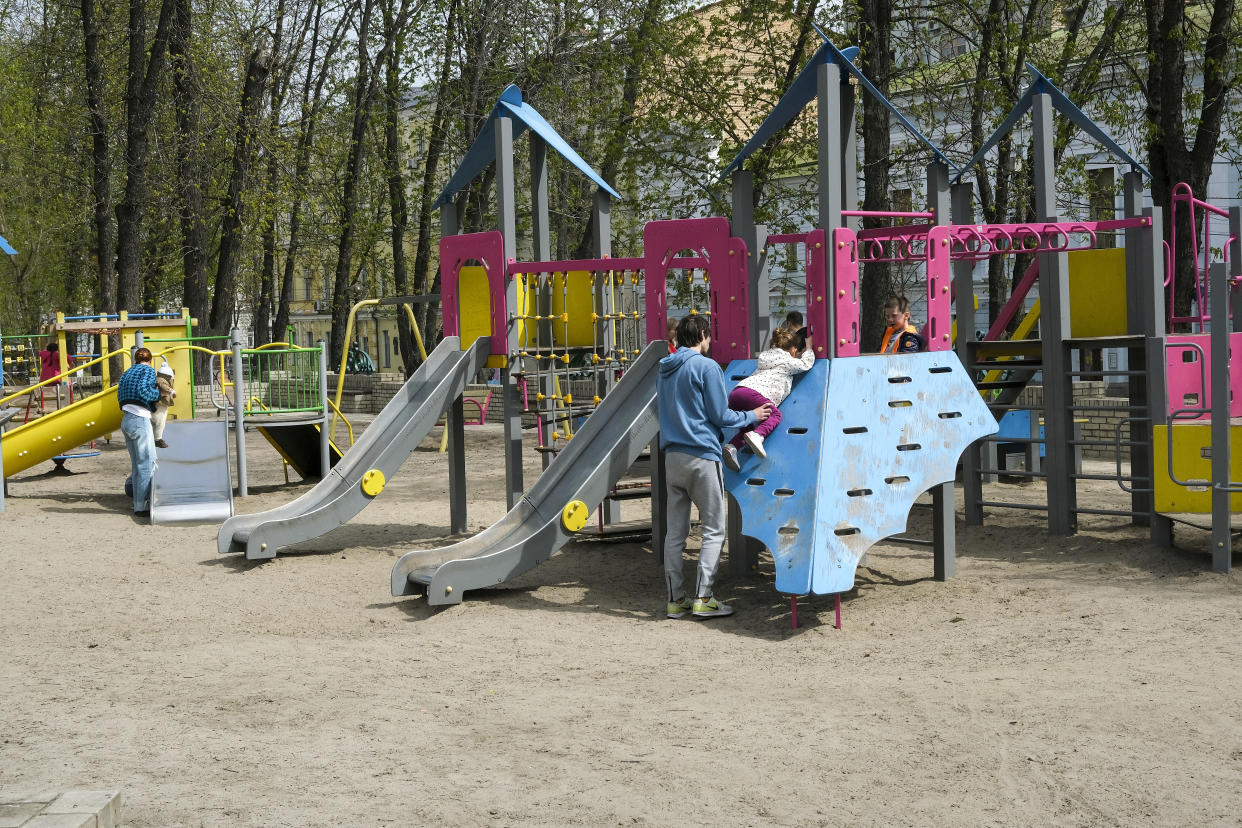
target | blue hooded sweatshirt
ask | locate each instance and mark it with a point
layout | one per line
(694, 406)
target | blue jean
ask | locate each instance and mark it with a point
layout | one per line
(141, 445)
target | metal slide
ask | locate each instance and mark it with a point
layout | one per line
(192, 481)
(60, 431)
(598, 455)
(382, 448)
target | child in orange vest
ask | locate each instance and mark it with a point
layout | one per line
(900, 337)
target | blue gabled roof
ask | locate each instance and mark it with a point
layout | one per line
(483, 151)
(803, 91)
(1040, 84)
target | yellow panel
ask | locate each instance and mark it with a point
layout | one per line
(61, 431)
(576, 302)
(1189, 440)
(1097, 283)
(179, 361)
(474, 313)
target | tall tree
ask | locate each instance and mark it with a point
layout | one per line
(1179, 42)
(141, 95)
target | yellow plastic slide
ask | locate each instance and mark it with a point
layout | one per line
(61, 431)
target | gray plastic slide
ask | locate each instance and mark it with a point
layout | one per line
(384, 446)
(598, 455)
(192, 481)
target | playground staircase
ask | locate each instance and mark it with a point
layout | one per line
(1003, 367)
(856, 446)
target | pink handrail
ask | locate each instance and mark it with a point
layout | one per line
(1182, 193)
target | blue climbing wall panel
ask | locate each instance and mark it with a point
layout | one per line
(861, 438)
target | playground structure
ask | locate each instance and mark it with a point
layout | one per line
(274, 387)
(524, 316)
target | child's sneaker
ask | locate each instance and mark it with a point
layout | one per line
(680, 608)
(711, 608)
(161, 444)
(730, 458)
(755, 443)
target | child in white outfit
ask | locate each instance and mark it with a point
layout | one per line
(163, 381)
(771, 382)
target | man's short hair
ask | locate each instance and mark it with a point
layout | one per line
(691, 330)
(793, 320)
(898, 303)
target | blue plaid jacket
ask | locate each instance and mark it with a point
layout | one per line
(138, 386)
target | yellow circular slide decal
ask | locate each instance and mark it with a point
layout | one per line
(373, 482)
(574, 515)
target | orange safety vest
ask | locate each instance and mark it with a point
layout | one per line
(892, 336)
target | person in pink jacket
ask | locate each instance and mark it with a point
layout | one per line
(789, 354)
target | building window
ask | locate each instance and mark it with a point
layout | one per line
(310, 339)
(387, 350)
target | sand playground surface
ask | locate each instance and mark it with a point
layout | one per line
(1088, 680)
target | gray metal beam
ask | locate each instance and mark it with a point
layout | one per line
(1137, 321)
(962, 212)
(1218, 298)
(601, 213)
(506, 209)
(828, 79)
(1054, 328)
(944, 528)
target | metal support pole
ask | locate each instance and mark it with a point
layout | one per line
(944, 529)
(1054, 328)
(743, 550)
(961, 212)
(1218, 298)
(610, 510)
(828, 79)
(239, 406)
(506, 220)
(1152, 323)
(659, 501)
(1137, 322)
(455, 424)
(325, 436)
(542, 252)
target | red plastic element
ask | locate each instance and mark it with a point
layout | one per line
(488, 249)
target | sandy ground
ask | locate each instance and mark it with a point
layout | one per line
(1091, 680)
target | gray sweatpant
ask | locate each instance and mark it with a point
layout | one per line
(693, 480)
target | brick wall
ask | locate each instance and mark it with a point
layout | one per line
(1098, 425)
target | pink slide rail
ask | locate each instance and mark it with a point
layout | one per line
(679, 244)
(1198, 209)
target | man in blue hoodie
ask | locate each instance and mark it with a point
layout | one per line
(694, 407)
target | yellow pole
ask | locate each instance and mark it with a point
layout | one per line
(340, 377)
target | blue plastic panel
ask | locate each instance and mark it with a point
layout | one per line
(856, 446)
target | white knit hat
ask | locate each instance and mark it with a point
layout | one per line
(166, 370)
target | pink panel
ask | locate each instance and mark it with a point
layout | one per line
(725, 263)
(1189, 380)
(489, 250)
(845, 299)
(939, 328)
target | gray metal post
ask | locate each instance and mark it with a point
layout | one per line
(455, 424)
(744, 551)
(1152, 323)
(944, 528)
(828, 79)
(961, 212)
(1138, 322)
(239, 405)
(601, 243)
(542, 252)
(1218, 298)
(1054, 329)
(507, 222)
(659, 500)
(448, 219)
(325, 436)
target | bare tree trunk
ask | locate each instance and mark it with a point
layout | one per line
(1170, 159)
(187, 95)
(874, 26)
(224, 301)
(349, 188)
(140, 99)
(398, 208)
(101, 171)
(426, 314)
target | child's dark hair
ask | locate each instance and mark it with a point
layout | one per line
(691, 330)
(53, 346)
(784, 339)
(793, 320)
(898, 303)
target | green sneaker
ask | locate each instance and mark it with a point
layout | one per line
(711, 608)
(679, 608)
